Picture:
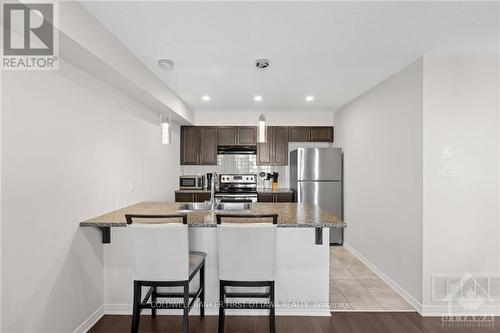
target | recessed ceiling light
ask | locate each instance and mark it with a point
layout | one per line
(262, 63)
(206, 98)
(309, 98)
(257, 98)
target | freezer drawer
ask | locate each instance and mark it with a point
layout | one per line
(325, 194)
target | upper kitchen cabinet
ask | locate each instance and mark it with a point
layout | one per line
(237, 135)
(321, 134)
(275, 150)
(310, 134)
(298, 134)
(198, 145)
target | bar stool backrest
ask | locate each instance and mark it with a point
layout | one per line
(246, 251)
(160, 251)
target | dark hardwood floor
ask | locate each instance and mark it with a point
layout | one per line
(340, 322)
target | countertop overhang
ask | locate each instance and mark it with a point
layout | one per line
(290, 215)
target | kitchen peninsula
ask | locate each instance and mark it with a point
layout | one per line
(302, 251)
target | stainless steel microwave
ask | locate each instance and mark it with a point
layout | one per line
(194, 182)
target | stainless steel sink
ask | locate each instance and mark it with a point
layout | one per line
(233, 206)
(196, 206)
(200, 206)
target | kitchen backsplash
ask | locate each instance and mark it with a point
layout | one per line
(248, 164)
(239, 164)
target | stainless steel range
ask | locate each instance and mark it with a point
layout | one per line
(237, 188)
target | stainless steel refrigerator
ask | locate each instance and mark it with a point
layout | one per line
(316, 177)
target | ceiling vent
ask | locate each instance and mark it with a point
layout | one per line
(262, 63)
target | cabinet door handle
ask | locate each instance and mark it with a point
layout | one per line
(310, 135)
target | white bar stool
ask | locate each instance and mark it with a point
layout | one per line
(246, 259)
(161, 258)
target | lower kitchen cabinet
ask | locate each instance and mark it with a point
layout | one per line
(275, 197)
(191, 196)
(202, 197)
(283, 197)
(265, 197)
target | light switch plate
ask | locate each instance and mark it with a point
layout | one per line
(447, 152)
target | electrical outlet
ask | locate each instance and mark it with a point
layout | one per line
(452, 171)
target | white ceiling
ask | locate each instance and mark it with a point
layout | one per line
(332, 50)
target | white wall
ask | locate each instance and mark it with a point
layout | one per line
(89, 45)
(72, 148)
(273, 117)
(381, 134)
(404, 216)
(461, 225)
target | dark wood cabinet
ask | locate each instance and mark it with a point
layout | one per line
(189, 145)
(184, 197)
(321, 134)
(264, 150)
(208, 145)
(275, 150)
(279, 146)
(198, 145)
(310, 134)
(298, 134)
(192, 196)
(283, 197)
(275, 197)
(202, 197)
(265, 197)
(237, 135)
(227, 136)
(247, 135)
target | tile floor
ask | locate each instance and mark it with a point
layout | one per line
(354, 287)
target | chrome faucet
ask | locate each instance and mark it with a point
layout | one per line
(213, 181)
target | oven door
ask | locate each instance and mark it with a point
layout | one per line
(240, 197)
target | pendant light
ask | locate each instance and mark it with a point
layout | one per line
(262, 129)
(261, 65)
(165, 120)
(166, 129)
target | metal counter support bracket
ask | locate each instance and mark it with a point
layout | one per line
(319, 236)
(106, 234)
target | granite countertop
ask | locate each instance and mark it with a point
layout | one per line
(259, 190)
(278, 190)
(298, 215)
(192, 191)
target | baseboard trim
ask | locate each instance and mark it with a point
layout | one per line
(90, 321)
(434, 310)
(443, 310)
(126, 309)
(396, 287)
